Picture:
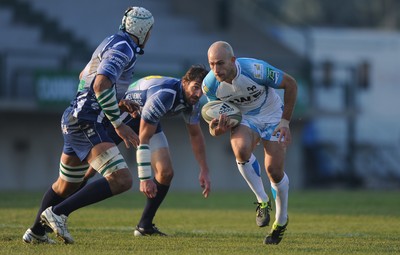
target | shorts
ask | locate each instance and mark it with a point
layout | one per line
(80, 136)
(158, 140)
(133, 123)
(264, 130)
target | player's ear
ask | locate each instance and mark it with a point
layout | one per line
(184, 83)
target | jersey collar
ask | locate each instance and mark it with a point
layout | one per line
(137, 49)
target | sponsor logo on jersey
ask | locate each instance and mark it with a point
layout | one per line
(252, 88)
(240, 100)
(117, 58)
(205, 89)
(110, 69)
(273, 75)
(258, 71)
(134, 96)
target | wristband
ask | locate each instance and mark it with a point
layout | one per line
(284, 123)
(108, 103)
(143, 158)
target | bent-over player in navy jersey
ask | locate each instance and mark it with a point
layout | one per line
(161, 97)
(103, 82)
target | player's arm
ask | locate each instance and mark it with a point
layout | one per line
(199, 150)
(289, 86)
(106, 97)
(143, 158)
(152, 111)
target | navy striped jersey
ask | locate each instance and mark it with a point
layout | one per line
(115, 58)
(160, 96)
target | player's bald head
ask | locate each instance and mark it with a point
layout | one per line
(221, 49)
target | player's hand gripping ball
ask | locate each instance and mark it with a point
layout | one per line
(213, 109)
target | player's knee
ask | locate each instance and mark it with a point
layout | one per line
(165, 176)
(275, 173)
(64, 188)
(113, 167)
(124, 180)
(120, 181)
(242, 155)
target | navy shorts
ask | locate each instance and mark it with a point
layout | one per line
(133, 123)
(80, 136)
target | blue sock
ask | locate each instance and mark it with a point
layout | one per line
(92, 193)
(152, 205)
(50, 198)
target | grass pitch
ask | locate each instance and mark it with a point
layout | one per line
(321, 222)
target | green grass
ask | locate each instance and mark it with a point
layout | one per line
(321, 222)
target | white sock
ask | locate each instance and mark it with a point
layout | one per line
(250, 171)
(280, 192)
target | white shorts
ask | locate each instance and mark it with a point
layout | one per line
(158, 140)
(263, 129)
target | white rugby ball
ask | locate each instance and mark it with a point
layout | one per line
(213, 109)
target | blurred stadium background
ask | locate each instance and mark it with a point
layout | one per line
(345, 55)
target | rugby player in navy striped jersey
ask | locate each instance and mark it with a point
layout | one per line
(103, 82)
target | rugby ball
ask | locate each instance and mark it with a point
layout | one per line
(213, 109)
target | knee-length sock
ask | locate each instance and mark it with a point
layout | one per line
(250, 171)
(92, 193)
(50, 198)
(280, 192)
(152, 205)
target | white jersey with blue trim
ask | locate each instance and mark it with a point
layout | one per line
(160, 96)
(115, 58)
(252, 90)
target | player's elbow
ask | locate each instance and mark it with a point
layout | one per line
(289, 81)
(289, 84)
(101, 83)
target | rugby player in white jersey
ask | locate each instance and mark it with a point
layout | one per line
(103, 82)
(162, 97)
(250, 84)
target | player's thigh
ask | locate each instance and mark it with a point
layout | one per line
(162, 165)
(243, 141)
(99, 149)
(119, 180)
(160, 155)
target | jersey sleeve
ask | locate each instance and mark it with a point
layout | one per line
(115, 59)
(157, 105)
(209, 87)
(261, 72)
